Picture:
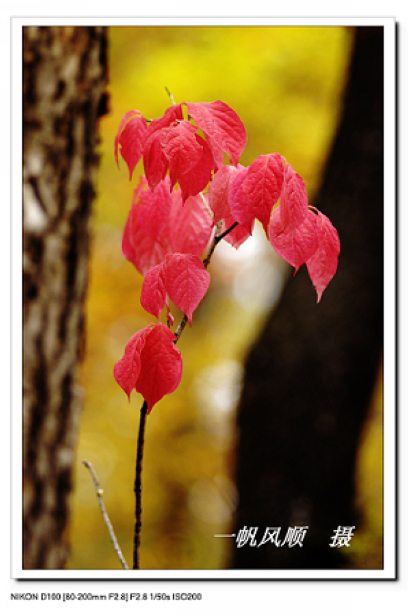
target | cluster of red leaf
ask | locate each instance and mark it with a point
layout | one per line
(159, 223)
(173, 144)
(171, 223)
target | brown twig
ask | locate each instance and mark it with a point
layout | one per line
(180, 327)
(99, 493)
(216, 240)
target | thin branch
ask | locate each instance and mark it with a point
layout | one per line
(180, 327)
(216, 240)
(220, 237)
(99, 493)
(138, 486)
(143, 414)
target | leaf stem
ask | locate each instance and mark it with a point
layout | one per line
(138, 486)
(105, 516)
(209, 210)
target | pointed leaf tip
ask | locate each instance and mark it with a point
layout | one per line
(130, 136)
(322, 265)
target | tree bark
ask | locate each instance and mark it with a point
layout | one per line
(64, 76)
(310, 376)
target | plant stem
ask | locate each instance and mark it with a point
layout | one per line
(105, 516)
(142, 424)
(138, 486)
(216, 240)
(180, 327)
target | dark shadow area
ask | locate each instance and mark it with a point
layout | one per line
(310, 376)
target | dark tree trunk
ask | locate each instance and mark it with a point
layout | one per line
(64, 77)
(310, 376)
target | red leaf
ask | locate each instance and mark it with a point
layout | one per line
(181, 149)
(171, 114)
(154, 160)
(294, 244)
(187, 228)
(218, 191)
(222, 127)
(262, 186)
(122, 125)
(153, 295)
(293, 199)
(190, 225)
(140, 249)
(187, 281)
(238, 235)
(126, 371)
(197, 178)
(153, 208)
(161, 365)
(238, 201)
(130, 137)
(322, 265)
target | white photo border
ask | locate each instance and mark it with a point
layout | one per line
(389, 571)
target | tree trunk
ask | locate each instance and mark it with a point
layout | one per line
(64, 77)
(310, 376)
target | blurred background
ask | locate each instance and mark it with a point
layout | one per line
(286, 84)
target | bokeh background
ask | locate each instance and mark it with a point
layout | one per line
(286, 84)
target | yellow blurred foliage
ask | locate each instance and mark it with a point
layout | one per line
(286, 84)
